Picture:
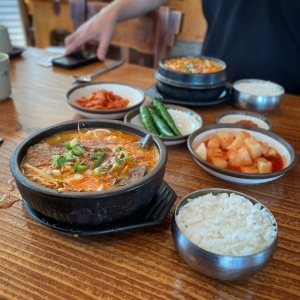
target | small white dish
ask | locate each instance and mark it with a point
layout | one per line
(234, 116)
(135, 95)
(287, 152)
(186, 120)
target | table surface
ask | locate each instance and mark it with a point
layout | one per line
(141, 263)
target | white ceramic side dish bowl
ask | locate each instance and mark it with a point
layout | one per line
(135, 95)
(185, 119)
(234, 116)
(285, 149)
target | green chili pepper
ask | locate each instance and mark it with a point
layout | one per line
(147, 119)
(164, 114)
(162, 127)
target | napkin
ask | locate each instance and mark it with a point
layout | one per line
(46, 61)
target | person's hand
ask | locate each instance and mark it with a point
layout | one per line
(100, 27)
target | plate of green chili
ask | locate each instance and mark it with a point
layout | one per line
(172, 123)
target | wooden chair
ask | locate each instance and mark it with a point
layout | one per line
(152, 34)
(14, 16)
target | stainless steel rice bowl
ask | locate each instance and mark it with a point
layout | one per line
(223, 267)
(256, 95)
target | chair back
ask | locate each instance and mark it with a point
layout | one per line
(14, 16)
(152, 34)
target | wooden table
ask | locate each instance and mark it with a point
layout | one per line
(141, 263)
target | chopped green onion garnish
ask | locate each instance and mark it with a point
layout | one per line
(68, 145)
(80, 166)
(54, 160)
(70, 156)
(127, 158)
(73, 142)
(77, 150)
(59, 160)
(97, 154)
(100, 170)
(97, 162)
(117, 161)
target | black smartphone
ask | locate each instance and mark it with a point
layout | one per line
(75, 60)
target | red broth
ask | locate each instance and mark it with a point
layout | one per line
(193, 65)
(87, 160)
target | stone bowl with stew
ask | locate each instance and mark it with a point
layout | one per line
(191, 86)
(95, 207)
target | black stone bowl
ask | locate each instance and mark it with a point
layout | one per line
(191, 94)
(191, 86)
(88, 208)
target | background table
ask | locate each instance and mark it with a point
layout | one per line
(142, 263)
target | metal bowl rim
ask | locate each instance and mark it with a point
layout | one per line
(253, 95)
(215, 191)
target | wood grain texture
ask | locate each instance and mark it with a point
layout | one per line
(194, 24)
(45, 20)
(142, 263)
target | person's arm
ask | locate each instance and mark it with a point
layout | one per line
(101, 27)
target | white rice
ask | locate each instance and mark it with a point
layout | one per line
(259, 88)
(227, 224)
